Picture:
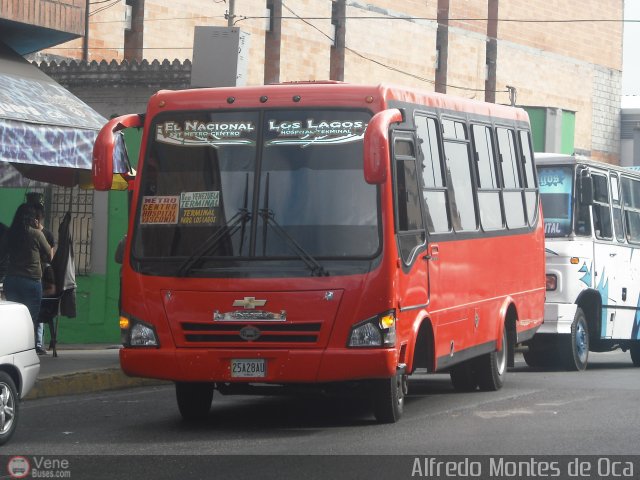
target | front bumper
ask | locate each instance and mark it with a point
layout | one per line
(282, 366)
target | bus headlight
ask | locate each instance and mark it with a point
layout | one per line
(136, 333)
(552, 282)
(378, 331)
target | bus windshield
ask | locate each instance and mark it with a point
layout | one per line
(556, 193)
(255, 185)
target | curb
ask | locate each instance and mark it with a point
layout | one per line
(87, 382)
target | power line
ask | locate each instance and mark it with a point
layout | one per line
(405, 18)
(384, 65)
(106, 7)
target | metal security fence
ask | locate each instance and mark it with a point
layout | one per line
(60, 200)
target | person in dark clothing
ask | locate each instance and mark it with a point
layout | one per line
(48, 284)
(26, 247)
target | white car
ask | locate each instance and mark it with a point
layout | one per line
(19, 364)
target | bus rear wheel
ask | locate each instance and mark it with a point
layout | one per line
(576, 348)
(194, 400)
(492, 367)
(388, 398)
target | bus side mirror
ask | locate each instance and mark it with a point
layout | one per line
(586, 190)
(377, 151)
(107, 146)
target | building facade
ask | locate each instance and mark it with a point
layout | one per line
(564, 58)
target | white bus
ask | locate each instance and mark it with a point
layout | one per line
(592, 231)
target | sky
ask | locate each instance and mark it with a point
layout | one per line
(631, 56)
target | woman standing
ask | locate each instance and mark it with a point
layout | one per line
(27, 249)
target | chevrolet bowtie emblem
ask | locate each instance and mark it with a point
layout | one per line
(249, 303)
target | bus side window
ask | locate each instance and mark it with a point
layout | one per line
(411, 234)
(512, 185)
(458, 173)
(601, 208)
(491, 216)
(434, 189)
(616, 208)
(631, 202)
(530, 193)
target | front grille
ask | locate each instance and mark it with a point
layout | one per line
(269, 333)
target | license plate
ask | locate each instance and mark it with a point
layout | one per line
(248, 368)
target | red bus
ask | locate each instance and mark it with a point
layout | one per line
(326, 234)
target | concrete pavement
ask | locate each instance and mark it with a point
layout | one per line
(82, 369)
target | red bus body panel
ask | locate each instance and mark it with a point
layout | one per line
(465, 287)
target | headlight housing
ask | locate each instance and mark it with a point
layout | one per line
(378, 331)
(136, 333)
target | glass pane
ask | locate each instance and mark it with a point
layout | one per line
(408, 195)
(426, 131)
(508, 158)
(514, 210)
(198, 174)
(463, 213)
(404, 148)
(437, 217)
(618, 223)
(490, 211)
(633, 226)
(602, 221)
(531, 200)
(312, 186)
(600, 189)
(556, 195)
(409, 243)
(453, 129)
(486, 163)
(530, 181)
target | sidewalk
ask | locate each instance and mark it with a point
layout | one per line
(83, 369)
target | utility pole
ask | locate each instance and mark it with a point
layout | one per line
(85, 38)
(231, 13)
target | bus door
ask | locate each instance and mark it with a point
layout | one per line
(610, 262)
(413, 281)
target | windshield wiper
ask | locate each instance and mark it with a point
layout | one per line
(309, 261)
(235, 223)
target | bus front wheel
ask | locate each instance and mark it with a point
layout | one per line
(194, 400)
(388, 398)
(577, 350)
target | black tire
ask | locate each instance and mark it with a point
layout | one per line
(492, 367)
(635, 354)
(576, 346)
(464, 376)
(194, 400)
(9, 407)
(388, 398)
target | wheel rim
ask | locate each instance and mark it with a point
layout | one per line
(501, 355)
(7, 408)
(582, 345)
(399, 379)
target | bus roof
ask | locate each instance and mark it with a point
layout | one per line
(323, 94)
